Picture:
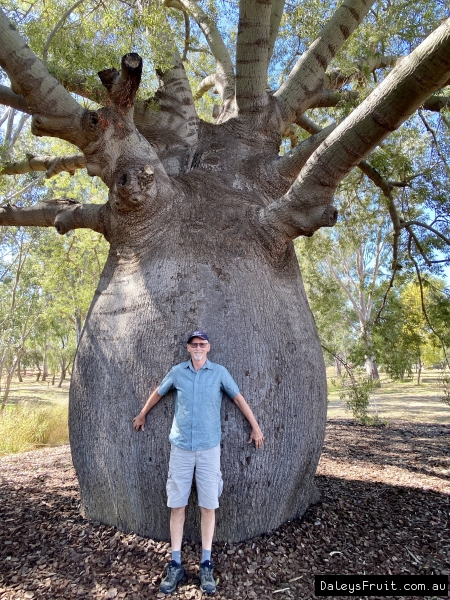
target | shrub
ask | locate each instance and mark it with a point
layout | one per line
(356, 395)
(445, 383)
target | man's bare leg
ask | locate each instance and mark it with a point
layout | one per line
(208, 523)
(175, 571)
(177, 516)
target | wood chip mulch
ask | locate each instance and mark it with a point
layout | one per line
(384, 510)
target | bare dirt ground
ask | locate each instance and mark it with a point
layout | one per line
(385, 510)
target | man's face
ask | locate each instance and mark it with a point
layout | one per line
(198, 348)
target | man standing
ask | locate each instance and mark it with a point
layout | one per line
(195, 446)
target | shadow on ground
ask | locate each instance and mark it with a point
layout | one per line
(47, 551)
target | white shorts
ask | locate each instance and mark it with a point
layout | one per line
(208, 477)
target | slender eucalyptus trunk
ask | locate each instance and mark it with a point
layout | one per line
(38, 366)
(19, 371)
(78, 325)
(419, 369)
(63, 372)
(371, 368)
(9, 377)
(45, 371)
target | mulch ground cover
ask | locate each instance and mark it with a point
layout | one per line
(384, 510)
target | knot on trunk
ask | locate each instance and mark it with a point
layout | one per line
(134, 188)
(329, 216)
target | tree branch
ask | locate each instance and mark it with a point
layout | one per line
(275, 19)
(224, 69)
(52, 165)
(54, 111)
(407, 225)
(64, 214)
(328, 98)
(404, 90)
(23, 119)
(252, 52)
(78, 85)
(114, 145)
(9, 98)
(335, 79)
(23, 190)
(435, 141)
(56, 28)
(343, 363)
(187, 35)
(306, 79)
(436, 103)
(290, 164)
(205, 85)
(122, 87)
(176, 101)
(422, 302)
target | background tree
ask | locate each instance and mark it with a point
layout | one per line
(200, 220)
(413, 330)
(354, 257)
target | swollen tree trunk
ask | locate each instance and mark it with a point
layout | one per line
(213, 273)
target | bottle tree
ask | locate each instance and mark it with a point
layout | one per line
(200, 219)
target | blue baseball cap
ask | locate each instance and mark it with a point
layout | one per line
(199, 334)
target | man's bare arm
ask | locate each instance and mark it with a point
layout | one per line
(256, 434)
(139, 420)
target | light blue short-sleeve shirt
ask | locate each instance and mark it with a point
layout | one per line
(198, 397)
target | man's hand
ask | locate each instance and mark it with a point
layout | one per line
(256, 436)
(139, 422)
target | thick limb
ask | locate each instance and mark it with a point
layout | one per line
(290, 164)
(54, 110)
(52, 165)
(306, 79)
(205, 85)
(224, 76)
(405, 89)
(276, 15)
(63, 214)
(9, 98)
(252, 54)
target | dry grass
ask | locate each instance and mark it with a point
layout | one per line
(395, 400)
(35, 416)
(27, 426)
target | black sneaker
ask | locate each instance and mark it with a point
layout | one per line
(175, 574)
(207, 583)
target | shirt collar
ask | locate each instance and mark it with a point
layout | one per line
(188, 365)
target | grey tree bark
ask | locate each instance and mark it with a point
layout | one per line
(200, 220)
